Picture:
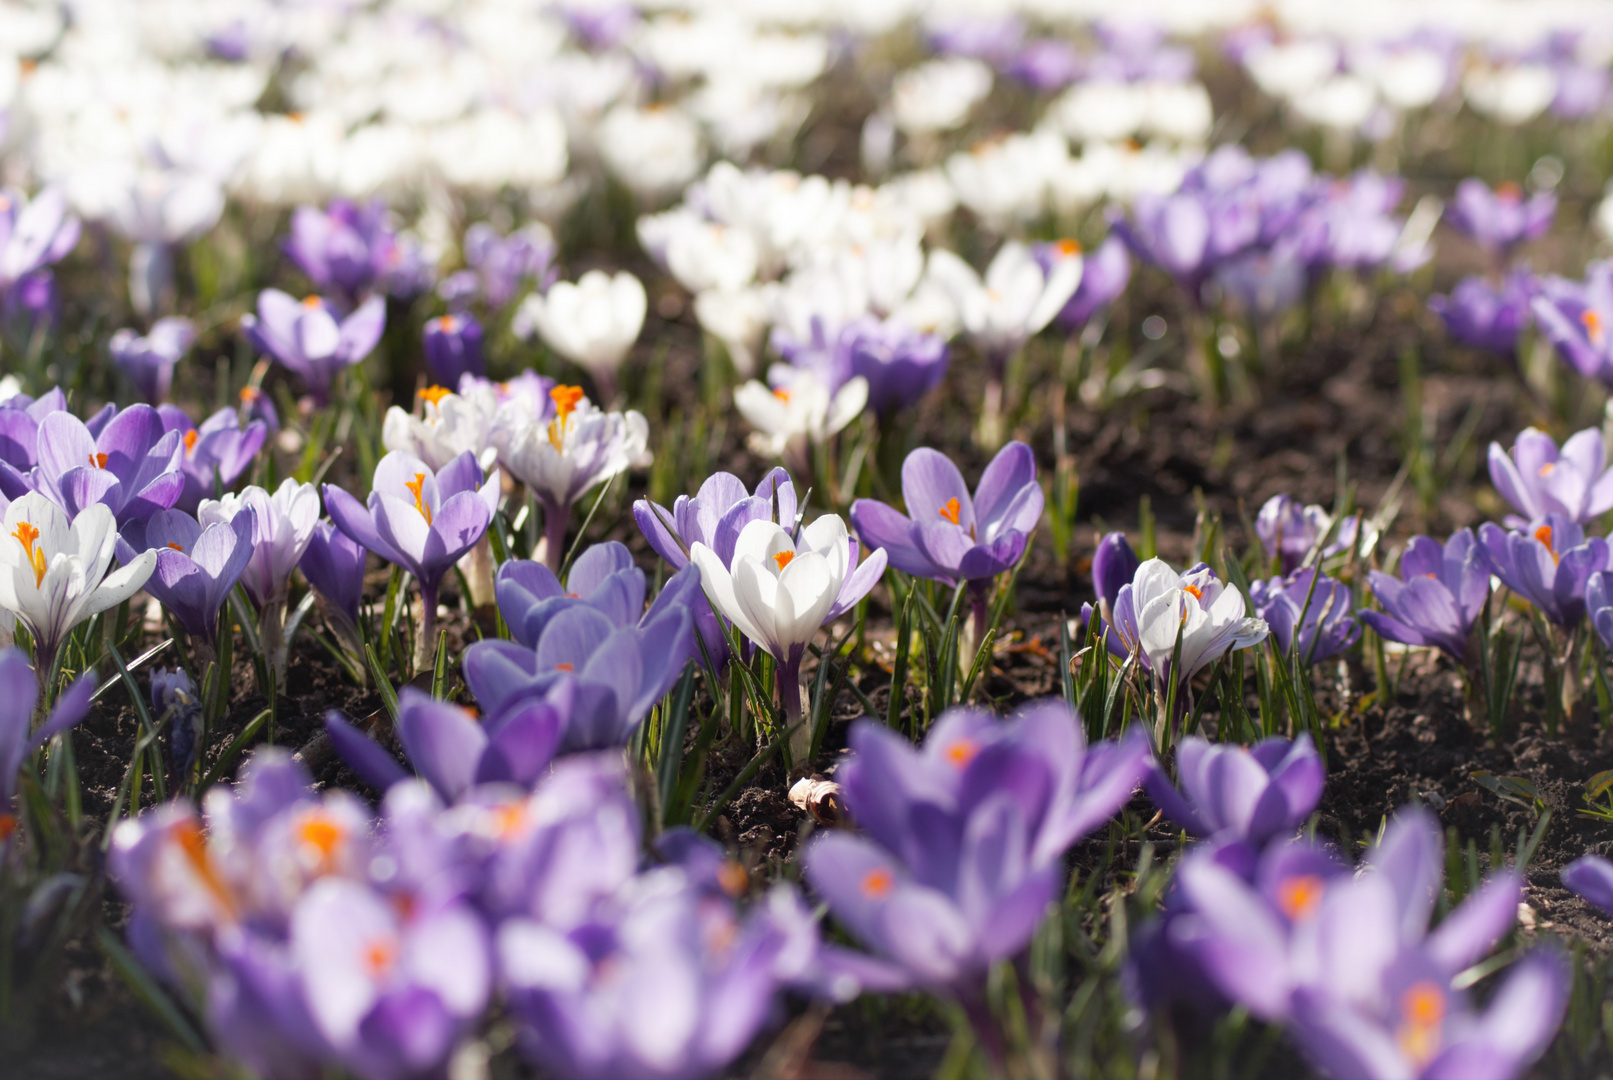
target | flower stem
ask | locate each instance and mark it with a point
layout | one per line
(555, 520)
(425, 643)
(792, 694)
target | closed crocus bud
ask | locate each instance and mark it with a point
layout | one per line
(149, 361)
(1500, 220)
(1485, 316)
(1252, 794)
(453, 345)
(174, 692)
(593, 323)
(1114, 564)
(1441, 590)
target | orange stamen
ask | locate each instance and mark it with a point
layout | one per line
(435, 394)
(449, 324)
(98, 460)
(249, 394)
(962, 752)
(1548, 468)
(26, 534)
(1422, 1008)
(1198, 593)
(379, 956)
(1509, 191)
(951, 510)
(732, 878)
(1299, 896)
(1067, 248)
(1543, 534)
(190, 442)
(312, 302)
(1593, 326)
(565, 667)
(175, 546)
(188, 835)
(877, 883)
(566, 399)
(782, 394)
(417, 487)
(784, 558)
(323, 835)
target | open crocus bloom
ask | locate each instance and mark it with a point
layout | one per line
(1252, 794)
(799, 409)
(1577, 318)
(1161, 606)
(196, 567)
(1439, 595)
(307, 337)
(592, 323)
(1018, 296)
(217, 453)
(1538, 479)
(1501, 219)
(53, 572)
(131, 466)
(448, 425)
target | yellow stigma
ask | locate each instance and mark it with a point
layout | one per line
(782, 394)
(26, 534)
(951, 510)
(877, 883)
(1543, 534)
(379, 956)
(1593, 326)
(312, 302)
(98, 461)
(1066, 248)
(1198, 593)
(190, 442)
(417, 486)
(435, 394)
(566, 399)
(784, 558)
(448, 324)
(188, 835)
(1299, 896)
(1548, 468)
(962, 752)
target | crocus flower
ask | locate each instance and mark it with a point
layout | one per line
(453, 345)
(1250, 794)
(149, 361)
(1017, 297)
(667, 981)
(19, 435)
(420, 519)
(346, 248)
(282, 528)
(1486, 316)
(715, 515)
(452, 751)
(196, 567)
(1296, 925)
(500, 265)
(1500, 220)
(592, 323)
(449, 423)
(34, 233)
(53, 570)
(392, 992)
(952, 536)
(1114, 564)
(799, 410)
(215, 454)
(900, 364)
(333, 563)
(308, 338)
(778, 589)
(1441, 590)
(963, 839)
(561, 454)
(1537, 479)
(1160, 607)
(19, 692)
(1289, 531)
(1318, 622)
(131, 467)
(1547, 563)
(1577, 318)
(174, 696)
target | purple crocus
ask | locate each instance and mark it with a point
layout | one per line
(215, 454)
(962, 842)
(1046, 64)
(19, 436)
(1103, 279)
(1484, 315)
(452, 751)
(1114, 564)
(334, 565)
(1577, 319)
(499, 267)
(1499, 220)
(391, 992)
(1313, 623)
(901, 364)
(174, 696)
(307, 337)
(1590, 877)
(1538, 479)
(1441, 590)
(453, 346)
(132, 466)
(1290, 530)
(623, 660)
(346, 248)
(1249, 794)
(1547, 563)
(421, 520)
(34, 233)
(196, 567)
(951, 535)
(149, 361)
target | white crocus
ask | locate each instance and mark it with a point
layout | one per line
(939, 95)
(282, 527)
(558, 461)
(1197, 607)
(593, 323)
(448, 425)
(53, 573)
(798, 410)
